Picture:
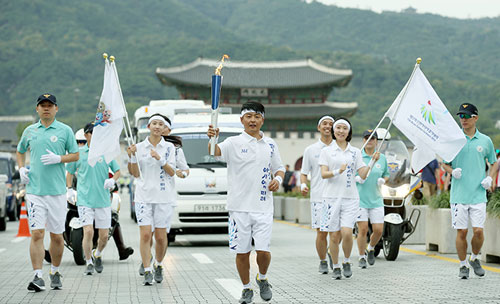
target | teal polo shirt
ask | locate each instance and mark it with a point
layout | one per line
(369, 191)
(472, 159)
(90, 180)
(58, 138)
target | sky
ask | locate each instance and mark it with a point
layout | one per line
(463, 9)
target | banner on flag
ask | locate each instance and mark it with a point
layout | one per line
(421, 116)
(108, 123)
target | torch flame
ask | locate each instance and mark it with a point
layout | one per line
(219, 68)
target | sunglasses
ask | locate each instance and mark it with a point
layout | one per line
(466, 116)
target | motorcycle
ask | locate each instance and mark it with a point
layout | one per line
(73, 234)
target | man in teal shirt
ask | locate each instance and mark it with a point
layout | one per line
(48, 141)
(371, 202)
(93, 200)
(468, 188)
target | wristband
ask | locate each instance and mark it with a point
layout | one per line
(303, 186)
(184, 174)
(336, 172)
(133, 159)
(163, 162)
(279, 179)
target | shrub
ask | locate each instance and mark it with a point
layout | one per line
(493, 206)
(440, 201)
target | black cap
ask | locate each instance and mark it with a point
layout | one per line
(88, 128)
(48, 97)
(467, 108)
(369, 132)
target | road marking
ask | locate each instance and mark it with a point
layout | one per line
(202, 258)
(2, 250)
(182, 241)
(19, 239)
(232, 286)
(442, 258)
(293, 224)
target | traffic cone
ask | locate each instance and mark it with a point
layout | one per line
(24, 229)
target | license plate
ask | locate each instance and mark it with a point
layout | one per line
(210, 208)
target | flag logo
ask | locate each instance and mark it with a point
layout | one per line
(103, 116)
(427, 113)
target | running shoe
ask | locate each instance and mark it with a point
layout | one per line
(323, 267)
(36, 285)
(158, 273)
(476, 265)
(463, 272)
(89, 270)
(55, 280)
(347, 270)
(265, 289)
(148, 278)
(97, 261)
(337, 274)
(362, 263)
(329, 258)
(371, 256)
(246, 296)
(141, 268)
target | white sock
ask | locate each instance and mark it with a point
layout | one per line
(247, 286)
(347, 260)
(89, 262)
(463, 263)
(98, 253)
(473, 256)
(38, 273)
(323, 260)
(262, 276)
(148, 268)
(157, 263)
(362, 257)
(336, 266)
(53, 269)
(370, 248)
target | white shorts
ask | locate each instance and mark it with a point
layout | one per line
(316, 212)
(339, 212)
(154, 215)
(47, 212)
(243, 226)
(101, 216)
(460, 214)
(375, 215)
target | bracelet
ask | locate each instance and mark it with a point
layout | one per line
(279, 179)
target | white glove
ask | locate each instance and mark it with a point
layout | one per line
(359, 180)
(71, 196)
(486, 183)
(303, 186)
(23, 173)
(380, 181)
(109, 183)
(50, 158)
(457, 173)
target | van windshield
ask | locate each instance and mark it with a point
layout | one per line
(195, 149)
(4, 167)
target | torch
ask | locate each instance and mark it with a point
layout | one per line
(216, 87)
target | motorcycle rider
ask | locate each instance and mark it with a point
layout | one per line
(339, 163)
(468, 188)
(94, 201)
(371, 202)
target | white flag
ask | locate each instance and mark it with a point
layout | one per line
(425, 121)
(109, 119)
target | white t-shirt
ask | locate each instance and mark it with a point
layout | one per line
(153, 186)
(250, 163)
(310, 165)
(180, 159)
(343, 185)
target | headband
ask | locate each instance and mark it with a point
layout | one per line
(342, 121)
(158, 117)
(324, 118)
(245, 111)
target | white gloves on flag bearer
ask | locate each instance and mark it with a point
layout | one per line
(359, 180)
(380, 181)
(51, 158)
(486, 183)
(71, 196)
(109, 183)
(457, 173)
(23, 173)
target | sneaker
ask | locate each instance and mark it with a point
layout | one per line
(36, 285)
(371, 257)
(55, 280)
(463, 273)
(97, 261)
(148, 278)
(476, 265)
(126, 253)
(141, 268)
(323, 267)
(246, 296)
(89, 270)
(347, 270)
(337, 274)
(362, 263)
(158, 273)
(265, 289)
(329, 259)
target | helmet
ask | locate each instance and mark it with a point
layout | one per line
(79, 135)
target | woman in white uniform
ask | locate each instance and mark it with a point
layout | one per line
(339, 163)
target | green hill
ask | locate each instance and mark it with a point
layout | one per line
(55, 46)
